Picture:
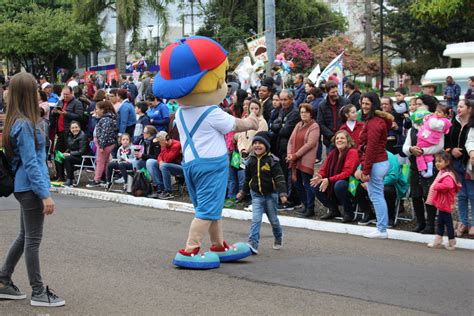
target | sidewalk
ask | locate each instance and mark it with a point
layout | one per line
(242, 215)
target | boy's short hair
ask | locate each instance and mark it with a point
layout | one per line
(143, 106)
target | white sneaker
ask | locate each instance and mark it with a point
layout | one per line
(376, 235)
(119, 181)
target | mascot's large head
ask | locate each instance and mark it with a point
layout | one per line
(193, 71)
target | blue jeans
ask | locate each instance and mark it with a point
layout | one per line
(155, 173)
(264, 204)
(375, 189)
(167, 170)
(236, 181)
(342, 197)
(465, 195)
(304, 189)
(138, 164)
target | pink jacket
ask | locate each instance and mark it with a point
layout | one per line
(433, 129)
(305, 155)
(442, 193)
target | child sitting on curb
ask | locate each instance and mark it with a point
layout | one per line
(262, 175)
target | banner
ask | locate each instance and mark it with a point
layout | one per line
(314, 75)
(112, 74)
(258, 49)
(335, 66)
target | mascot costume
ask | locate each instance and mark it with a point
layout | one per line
(193, 71)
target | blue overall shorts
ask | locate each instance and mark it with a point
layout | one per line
(206, 178)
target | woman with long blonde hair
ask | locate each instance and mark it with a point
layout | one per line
(24, 146)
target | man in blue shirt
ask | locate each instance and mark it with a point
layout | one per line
(159, 115)
(452, 91)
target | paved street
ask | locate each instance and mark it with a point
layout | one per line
(106, 258)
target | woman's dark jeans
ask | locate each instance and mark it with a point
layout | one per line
(28, 241)
(304, 189)
(342, 197)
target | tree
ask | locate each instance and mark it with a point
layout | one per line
(128, 13)
(354, 59)
(412, 38)
(37, 36)
(298, 52)
(441, 12)
(231, 22)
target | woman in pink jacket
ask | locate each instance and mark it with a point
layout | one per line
(442, 195)
(301, 156)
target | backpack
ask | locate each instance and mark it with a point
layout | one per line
(7, 177)
(140, 185)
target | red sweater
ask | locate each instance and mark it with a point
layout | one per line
(373, 140)
(171, 153)
(355, 134)
(350, 166)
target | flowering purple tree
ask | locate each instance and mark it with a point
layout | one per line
(298, 52)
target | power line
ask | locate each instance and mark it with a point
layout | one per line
(279, 32)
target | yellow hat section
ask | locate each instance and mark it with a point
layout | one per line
(213, 79)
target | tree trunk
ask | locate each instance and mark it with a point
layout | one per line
(51, 68)
(120, 37)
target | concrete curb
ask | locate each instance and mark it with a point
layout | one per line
(242, 215)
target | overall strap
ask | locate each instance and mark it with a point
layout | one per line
(189, 136)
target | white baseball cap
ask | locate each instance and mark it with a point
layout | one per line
(45, 85)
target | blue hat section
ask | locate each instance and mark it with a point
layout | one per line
(175, 89)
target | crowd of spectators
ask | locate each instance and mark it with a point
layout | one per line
(322, 139)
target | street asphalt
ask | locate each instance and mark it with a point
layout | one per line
(107, 258)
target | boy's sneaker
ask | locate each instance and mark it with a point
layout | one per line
(248, 208)
(9, 291)
(68, 183)
(285, 207)
(47, 299)
(253, 247)
(277, 244)
(366, 218)
(119, 180)
(93, 184)
(165, 196)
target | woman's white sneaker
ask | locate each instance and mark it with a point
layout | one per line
(376, 235)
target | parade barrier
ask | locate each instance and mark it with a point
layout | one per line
(286, 221)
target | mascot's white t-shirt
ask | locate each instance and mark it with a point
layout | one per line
(209, 139)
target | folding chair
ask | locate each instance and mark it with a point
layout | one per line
(407, 203)
(114, 171)
(88, 163)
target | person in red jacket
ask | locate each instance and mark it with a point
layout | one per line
(331, 183)
(442, 195)
(350, 123)
(167, 164)
(374, 159)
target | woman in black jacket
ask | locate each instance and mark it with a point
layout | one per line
(77, 146)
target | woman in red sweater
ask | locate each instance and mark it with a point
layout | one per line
(331, 183)
(350, 123)
(301, 155)
(374, 159)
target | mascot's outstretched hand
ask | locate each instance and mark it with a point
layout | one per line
(193, 71)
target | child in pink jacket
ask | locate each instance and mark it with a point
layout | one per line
(434, 127)
(442, 195)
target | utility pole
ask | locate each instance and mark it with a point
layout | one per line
(270, 33)
(260, 16)
(192, 16)
(368, 27)
(381, 48)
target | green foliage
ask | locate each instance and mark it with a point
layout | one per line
(354, 59)
(44, 34)
(416, 69)
(231, 22)
(441, 12)
(128, 13)
(413, 38)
